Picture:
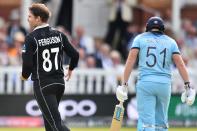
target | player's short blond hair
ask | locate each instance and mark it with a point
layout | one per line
(38, 9)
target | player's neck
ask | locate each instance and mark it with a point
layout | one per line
(41, 25)
(156, 31)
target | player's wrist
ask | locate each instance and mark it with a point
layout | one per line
(125, 83)
(187, 84)
(125, 86)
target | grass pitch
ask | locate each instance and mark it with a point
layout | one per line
(91, 129)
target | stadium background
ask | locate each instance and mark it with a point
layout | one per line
(89, 98)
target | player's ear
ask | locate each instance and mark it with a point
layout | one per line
(38, 19)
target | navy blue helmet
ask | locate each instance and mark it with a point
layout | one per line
(155, 23)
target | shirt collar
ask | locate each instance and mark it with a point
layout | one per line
(41, 26)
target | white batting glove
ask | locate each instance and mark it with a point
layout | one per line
(121, 93)
(188, 96)
(183, 97)
(191, 96)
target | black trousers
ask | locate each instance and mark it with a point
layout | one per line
(117, 25)
(48, 97)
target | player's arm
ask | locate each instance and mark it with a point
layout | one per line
(188, 96)
(130, 63)
(177, 59)
(131, 59)
(121, 91)
(71, 52)
(181, 67)
(27, 57)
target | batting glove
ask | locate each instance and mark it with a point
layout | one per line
(188, 96)
(121, 93)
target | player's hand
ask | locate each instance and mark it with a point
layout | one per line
(121, 93)
(184, 94)
(188, 96)
(23, 78)
(68, 75)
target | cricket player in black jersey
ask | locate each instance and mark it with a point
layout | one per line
(43, 59)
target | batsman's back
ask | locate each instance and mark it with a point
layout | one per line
(155, 56)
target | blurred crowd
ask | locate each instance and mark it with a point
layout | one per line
(106, 53)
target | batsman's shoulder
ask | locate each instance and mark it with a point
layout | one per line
(142, 35)
(138, 37)
(170, 39)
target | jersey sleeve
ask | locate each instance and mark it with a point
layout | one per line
(175, 49)
(27, 56)
(71, 52)
(135, 43)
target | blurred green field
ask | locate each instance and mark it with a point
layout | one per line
(91, 129)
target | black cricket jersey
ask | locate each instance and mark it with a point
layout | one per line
(42, 54)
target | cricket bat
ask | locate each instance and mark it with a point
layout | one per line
(117, 117)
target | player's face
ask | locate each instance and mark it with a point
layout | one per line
(33, 21)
